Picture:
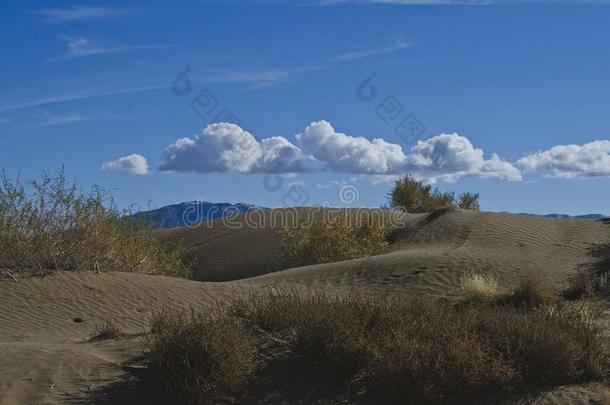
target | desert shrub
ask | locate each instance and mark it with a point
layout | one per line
(197, 357)
(531, 293)
(468, 201)
(593, 279)
(49, 224)
(591, 309)
(582, 284)
(319, 326)
(482, 287)
(587, 283)
(412, 350)
(416, 197)
(324, 239)
(106, 329)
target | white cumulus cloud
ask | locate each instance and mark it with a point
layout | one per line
(571, 161)
(224, 147)
(451, 156)
(348, 154)
(131, 164)
(446, 156)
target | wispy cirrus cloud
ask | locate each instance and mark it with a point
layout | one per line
(410, 2)
(50, 120)
(82, 46)
(81, 13)
(262, 78)
(373, 51)
(465, 2)
(46, 119)
(75, 95)
(422, 2)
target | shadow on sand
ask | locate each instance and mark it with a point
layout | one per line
(132, 388)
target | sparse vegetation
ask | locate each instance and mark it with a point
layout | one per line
(587, 283)
(480, 287)
(198, 357)
(592, 281)
(590, 309)
(106, 329)
(325, 239)
(49, 224)
(416, 197)
(468, 201)
(415, 350)
(531, 293)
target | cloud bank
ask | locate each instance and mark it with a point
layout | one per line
(348, 154)
(451, 156)
(446, 156)
(132, 164)
(224, 147)
(571, 161)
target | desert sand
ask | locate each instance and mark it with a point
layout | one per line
(47, 355)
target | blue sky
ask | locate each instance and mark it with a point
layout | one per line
(508, 98)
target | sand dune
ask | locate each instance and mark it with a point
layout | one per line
(429, 256)
(46, 355)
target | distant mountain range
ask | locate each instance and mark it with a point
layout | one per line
(585, 216)
(195, 212)
(191, 213)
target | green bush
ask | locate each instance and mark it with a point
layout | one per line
(468, 201)
(49, 224)
(417, 197)
(198, 357)
(332, 238)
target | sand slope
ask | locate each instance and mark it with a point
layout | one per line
(46, 323)
(46, 355)
(246, 245)
(429, 256)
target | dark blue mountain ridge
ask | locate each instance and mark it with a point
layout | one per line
(191, 213)
(584, 216)
(195, 212)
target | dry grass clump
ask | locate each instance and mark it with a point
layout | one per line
(49, 224)
(197, 357)
(532, 292)
(480, 287)
(591, 309)
(331, 238)
(593, 280)
(106, 329)
(415, 350)
(587, 283)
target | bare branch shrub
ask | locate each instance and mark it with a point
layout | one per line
(49, 224)
(199, 356)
